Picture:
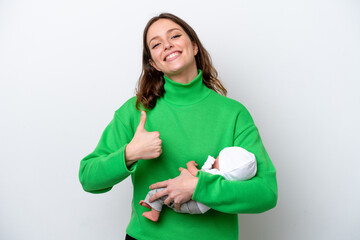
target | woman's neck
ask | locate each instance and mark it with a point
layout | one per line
(184, 76)
(185, 94)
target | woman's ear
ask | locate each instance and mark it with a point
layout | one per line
(153, 64)
(196, 48)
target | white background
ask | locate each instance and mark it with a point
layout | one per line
(66, 66)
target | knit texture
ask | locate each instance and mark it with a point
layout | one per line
(194, 122)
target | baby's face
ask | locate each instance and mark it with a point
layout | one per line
(216, 163)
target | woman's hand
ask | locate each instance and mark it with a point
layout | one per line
(144, 145)
(179, 190)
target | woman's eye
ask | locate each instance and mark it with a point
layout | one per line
(175, 36)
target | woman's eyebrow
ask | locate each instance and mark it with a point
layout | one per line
(172, 29)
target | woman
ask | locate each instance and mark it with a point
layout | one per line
(186, 119)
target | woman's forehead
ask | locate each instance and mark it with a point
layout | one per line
(161, 27)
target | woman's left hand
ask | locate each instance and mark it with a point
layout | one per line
(179, 189)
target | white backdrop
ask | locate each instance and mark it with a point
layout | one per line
(66, 66)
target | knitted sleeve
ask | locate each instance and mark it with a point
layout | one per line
(105, 166)
(255, 195)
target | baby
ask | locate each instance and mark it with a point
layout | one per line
(233, 163)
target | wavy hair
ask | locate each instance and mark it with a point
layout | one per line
(150, 85)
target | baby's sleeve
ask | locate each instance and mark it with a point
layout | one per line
(208, 163)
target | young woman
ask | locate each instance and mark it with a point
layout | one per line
(188, 117)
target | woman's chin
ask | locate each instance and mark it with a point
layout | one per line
(176, 69)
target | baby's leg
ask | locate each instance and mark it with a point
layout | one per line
(152, 215)
(190, 207)
(144, 204)
(155, 206)
(158, 203)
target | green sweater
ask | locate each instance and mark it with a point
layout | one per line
(194, 122)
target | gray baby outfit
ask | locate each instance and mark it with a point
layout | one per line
(239, 165)
(188, 207)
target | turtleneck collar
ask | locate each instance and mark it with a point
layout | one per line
(185, 94)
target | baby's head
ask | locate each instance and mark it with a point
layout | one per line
(235, 161)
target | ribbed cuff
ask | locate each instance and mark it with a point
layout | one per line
(199, 189)
(123, 163)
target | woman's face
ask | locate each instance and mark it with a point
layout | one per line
(171, 48)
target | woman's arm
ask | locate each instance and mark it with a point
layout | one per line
(107, 164)
(256, 195)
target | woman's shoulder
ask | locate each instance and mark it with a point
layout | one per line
(228, 102)
(232, 107)
(128, 106)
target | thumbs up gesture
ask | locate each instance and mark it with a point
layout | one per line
(144, 145)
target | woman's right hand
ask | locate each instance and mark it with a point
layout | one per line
(144, 145)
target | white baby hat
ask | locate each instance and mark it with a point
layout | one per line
(236, 163)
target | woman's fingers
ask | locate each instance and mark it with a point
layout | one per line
(159, 184)
(158, 195)
(168, 200)
(177, 206)
(178, 190)
(144, 145)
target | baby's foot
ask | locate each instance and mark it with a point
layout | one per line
(151, 215)
(144, 204)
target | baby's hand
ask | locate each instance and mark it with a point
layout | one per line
(191, 166)
(191, 163)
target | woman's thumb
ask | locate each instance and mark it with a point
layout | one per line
(142, 120)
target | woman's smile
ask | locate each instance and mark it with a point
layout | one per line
(172, 56)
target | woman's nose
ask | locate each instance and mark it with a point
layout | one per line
(168, 45)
